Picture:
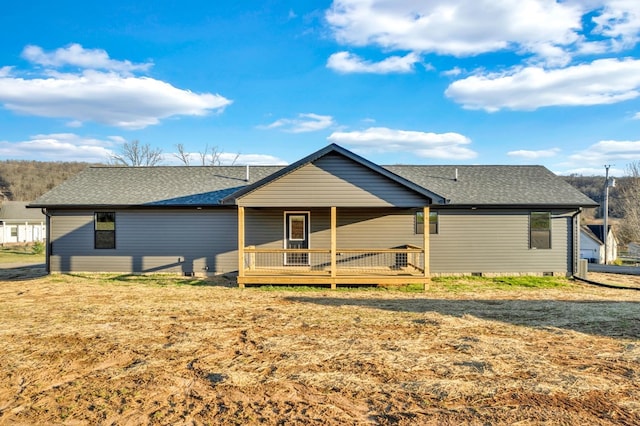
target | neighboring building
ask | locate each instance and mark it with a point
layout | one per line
(18, 224)
(592, 244)
(332, 217)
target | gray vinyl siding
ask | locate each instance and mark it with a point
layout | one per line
(264, 228)
(497, 242)
(357, 228)
(181, 241)
(333, 180)
(468, 241)
(377, 228)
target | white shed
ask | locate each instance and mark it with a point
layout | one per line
(18, 224)
(592, 244)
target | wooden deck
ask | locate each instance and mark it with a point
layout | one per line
(345, 276)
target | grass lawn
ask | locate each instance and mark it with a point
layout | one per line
(20, 254)
(108, 349)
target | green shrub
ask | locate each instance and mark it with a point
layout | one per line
(37, 247)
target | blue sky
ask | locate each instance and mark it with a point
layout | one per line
(268, 82)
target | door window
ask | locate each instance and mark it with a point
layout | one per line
(296, 237)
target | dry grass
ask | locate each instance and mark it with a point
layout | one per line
(85, 350)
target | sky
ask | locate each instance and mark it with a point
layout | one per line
(464, 82)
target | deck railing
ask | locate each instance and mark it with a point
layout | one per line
(395, 261)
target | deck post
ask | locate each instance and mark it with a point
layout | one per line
(425, 244)
(334, 263)
(241, 246)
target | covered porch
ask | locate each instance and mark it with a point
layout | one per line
(332, 259)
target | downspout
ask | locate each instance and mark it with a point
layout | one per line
(48, 239)
(575, 241)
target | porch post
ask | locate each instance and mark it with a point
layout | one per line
(241, 246)
(425, 243)
(334, 264)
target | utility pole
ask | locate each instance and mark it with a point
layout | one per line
(605, 226)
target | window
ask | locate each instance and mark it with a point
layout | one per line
(14, 231)
(433, 222)
(105, 230)
(540, 230)
(297, 228)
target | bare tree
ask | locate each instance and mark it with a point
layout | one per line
(135, 154)
(233, 162)
(210, 156)
(629, 229)
(183, 155)
(213, 157)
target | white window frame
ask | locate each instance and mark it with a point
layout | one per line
(307, 231)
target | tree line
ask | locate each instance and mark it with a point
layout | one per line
(23, 180)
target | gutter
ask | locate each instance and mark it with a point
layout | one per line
(512, 206)
(575, 240)
(48, 246)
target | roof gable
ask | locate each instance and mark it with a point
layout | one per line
(598, 230)
(334, 176)
(587, 232)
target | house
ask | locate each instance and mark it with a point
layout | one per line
(332, 218)
(592, 244)
(18, 224)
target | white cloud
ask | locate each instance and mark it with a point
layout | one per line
(78, 56)
(253, 160)
(533, 155)
(592, 159)
(636, 116)
(113, 97)
(74, 123)
(548, 32)
(346, 62)
(455, 27)
(591, 171)
(619, 20)
(61, 147)
(447, 146)
(603, 81)
(303, 123)
(453, 72)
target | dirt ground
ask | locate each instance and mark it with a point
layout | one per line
(615, 279)
(79, 350)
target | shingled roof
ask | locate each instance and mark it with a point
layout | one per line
(151, 186)
(209, 186)
(495, 185)
(16, 211)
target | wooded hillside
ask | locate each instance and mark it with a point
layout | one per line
(22, 180)
(593, 187)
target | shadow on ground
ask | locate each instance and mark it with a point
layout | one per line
(618, 319)
(22, 272)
